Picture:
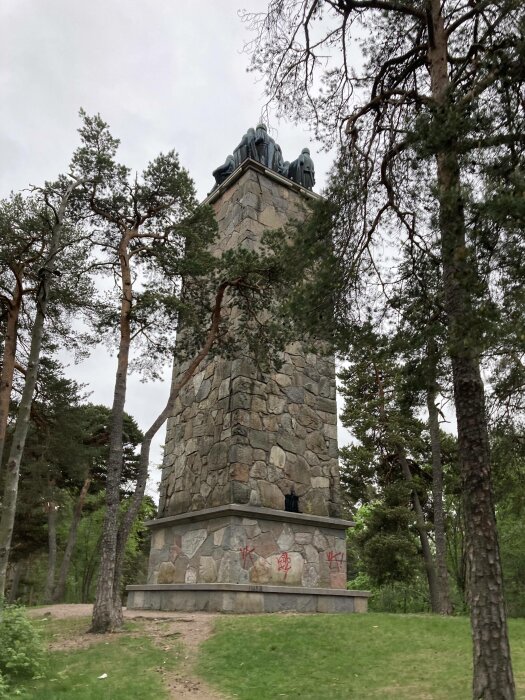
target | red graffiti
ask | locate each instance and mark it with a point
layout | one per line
(247, 555)
(284, 563)
(335, 560)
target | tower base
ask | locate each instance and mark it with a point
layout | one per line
(239, 598)
(247, 559)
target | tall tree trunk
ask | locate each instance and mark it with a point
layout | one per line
(423, 535)
(7, 518)
(15, 581)
(52, 510)
(8, 363)
(60, 588)
(445, 606)
(90, 566)
(492, 677)
(106, 616)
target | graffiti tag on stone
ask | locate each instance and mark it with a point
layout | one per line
(335, 560)
(284, 563)
(247, 555)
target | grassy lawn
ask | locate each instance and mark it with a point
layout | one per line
(346, 657)
(133, 663)
(323, 657)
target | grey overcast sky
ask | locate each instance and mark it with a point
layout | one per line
(163, 73)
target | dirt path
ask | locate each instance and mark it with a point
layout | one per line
(191, 629)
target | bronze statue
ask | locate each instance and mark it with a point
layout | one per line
(246, 148)
(285, 169)
(258, 145)
(302, 170)
(223, 171)
(278, 162)
(265, 146)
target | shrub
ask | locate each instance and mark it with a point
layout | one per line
(21, 650)
(4, 689)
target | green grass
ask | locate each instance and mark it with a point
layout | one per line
(133, 663)
(347, 657)
(270, 657)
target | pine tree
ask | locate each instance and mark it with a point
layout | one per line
(436, 100)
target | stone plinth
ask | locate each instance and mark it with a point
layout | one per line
(245, 559)
(230, 598)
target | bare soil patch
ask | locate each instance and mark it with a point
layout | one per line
(163, 627)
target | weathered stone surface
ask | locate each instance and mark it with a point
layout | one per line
(316, 442)
(320, 541)
(297, 469)
(337, 579)
(248, 386)
(224, 388)
(191, 575)
(166, 572)
(204, 390)
(158, 539)
(192, 540)
(230, 568)
(207, 570)
(260, 439)
(271, 495)
(259, 470)
(310, 577)
(265, 544)
(277, 456)
(308, 417)
(240, 472)
(255, 498)
(240, 492)
(320, 482)
(240, 400)
(311, 554)
(261, 571)
(295, 394)
(286, 539)
(218, 536)
(241, 549)
(218, 455)
(290, 443)
(303, 537)
(241, 453)
(282, 380)
(275, 404)
(267, 601)
(286, 568)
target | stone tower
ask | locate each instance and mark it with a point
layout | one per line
(238, 443)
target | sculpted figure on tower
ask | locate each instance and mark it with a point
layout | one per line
(258, 145)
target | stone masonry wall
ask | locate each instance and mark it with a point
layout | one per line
(248, 551)
(237, 436)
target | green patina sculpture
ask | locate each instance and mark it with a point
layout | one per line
(258, 145)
